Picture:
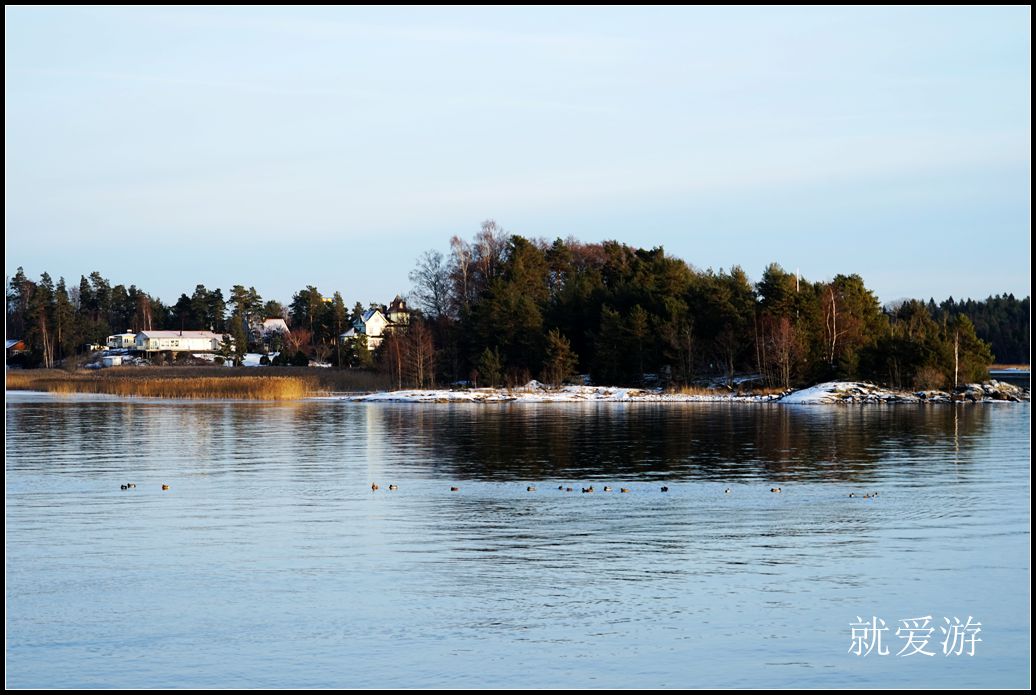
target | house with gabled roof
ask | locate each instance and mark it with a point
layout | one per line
(272, 326)
(377, 322)
(15, 346)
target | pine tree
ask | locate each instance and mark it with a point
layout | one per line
(339, 320)
(490, 367)
(561, 362)
(237, 326)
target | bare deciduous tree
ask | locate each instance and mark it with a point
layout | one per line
(419, 354)
(431, 284)
(782, 349)
(297, 338)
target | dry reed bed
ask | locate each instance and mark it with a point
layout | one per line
(246, 387)
(756, 390)
(196, 383)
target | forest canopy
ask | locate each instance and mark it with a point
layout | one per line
(628, 314)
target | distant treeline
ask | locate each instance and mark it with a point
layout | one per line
(1002, 321)
(57, 321)
(503, 309)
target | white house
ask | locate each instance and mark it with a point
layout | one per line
(372, 324)
(376, 322)
(121, 340)
(178, 341)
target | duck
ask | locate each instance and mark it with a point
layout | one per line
(664, 488)
(165, 487)
(124, 487)
(530, 489)
(852, 494)
(727, 491)
(561, 487)
(454, 489)
(374, 486)
(775, 489)
(624, 489)
(588, 489)
(607, 488)
(568, 489)
(393, 487)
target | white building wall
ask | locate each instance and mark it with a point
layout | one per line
(178, 344)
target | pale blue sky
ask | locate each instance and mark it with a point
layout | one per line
(286, 147)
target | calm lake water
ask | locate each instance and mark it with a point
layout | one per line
(271, 563)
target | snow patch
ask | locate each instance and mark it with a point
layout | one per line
(826, 393)
(536, 392)
(845, 391)
(252, 359)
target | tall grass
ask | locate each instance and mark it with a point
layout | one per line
(200, 382)
(742, 390)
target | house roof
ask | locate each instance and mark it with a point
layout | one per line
(369, 314)
(182, 334)
(274, 325)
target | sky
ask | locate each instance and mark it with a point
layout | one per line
(286, 147)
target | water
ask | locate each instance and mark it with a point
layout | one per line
(271, 563)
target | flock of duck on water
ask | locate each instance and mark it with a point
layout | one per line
(607, 488)
(532, 488)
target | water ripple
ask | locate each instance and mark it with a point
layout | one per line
(270, 562)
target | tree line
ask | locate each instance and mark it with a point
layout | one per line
(59, 322)
(1002, 320)
(502, 309)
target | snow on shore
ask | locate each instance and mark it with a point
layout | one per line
(860, 392)
(830, 392)
(535, 392)
(846, 391)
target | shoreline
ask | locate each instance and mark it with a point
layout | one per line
(828, 393)
(284, 388)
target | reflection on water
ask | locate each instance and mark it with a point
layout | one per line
(689, 443)
(271, 563)
(516, 442)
